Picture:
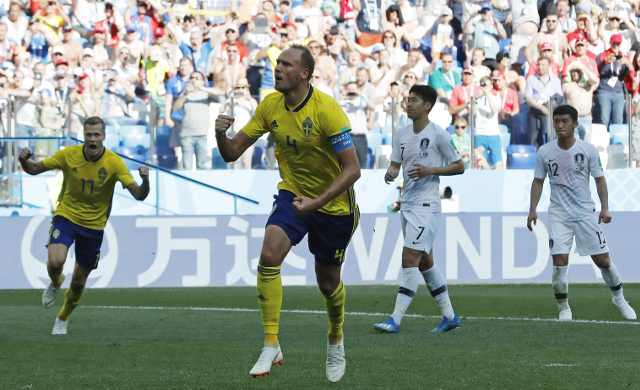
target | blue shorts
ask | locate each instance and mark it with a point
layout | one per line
(492, 145)
(88, 241)
(329, 235)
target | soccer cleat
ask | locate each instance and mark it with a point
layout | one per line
(336, 363)
(626, 310)
(50, 293)
(447, 324)
(268, 357)
(389, 326)
(59, 327)
(565, 315)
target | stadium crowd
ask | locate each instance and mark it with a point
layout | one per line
(64, 61)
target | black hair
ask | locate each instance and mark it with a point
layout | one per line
(306, 59)
(500, 56)
(566, 110)
(95, 120)
(395, 8)
(426, 92)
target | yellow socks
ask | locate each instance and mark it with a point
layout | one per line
(335, 312)
(270, 302)
(56, 278)
(71, 301)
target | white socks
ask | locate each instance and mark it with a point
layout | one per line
(438, 288)
(612, 278)
(560, 283)
(406, 292)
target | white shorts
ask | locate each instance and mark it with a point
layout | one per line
(590, 239)
(519, 42)
(419, 227)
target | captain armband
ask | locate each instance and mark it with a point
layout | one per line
(340, 141)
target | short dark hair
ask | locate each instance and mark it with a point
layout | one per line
(306, 59)
(544, 59)
(501, 55)
(94, 121)
(566, 110)
(426, 92)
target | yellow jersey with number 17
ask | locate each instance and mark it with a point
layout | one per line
(87, 187)
(307, 161)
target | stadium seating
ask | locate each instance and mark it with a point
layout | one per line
(133, 165)
(504, 44)
(119, 121)
(617, 156)
(142, 141)
(505, 137)
(619, 134)
(138, 110)
(382, 157)
(521, 157)
(111, 141)
(388, 138)
(216, 160)
(126, 151)
(259, 159)
(374, 140)
(451, 129)
(166, 157)
(162, 135)
(370, 159)
(600, 137)
(132, 129)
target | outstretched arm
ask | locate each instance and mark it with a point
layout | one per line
(30, 166)
(140, 192)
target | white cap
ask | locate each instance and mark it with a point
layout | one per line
(87, 52)
(59, 50)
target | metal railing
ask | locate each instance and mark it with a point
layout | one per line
(472, 132)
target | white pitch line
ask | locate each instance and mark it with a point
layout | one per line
(560, 365)
(232, 309)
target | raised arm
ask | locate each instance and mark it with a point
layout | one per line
(140, 192)
(231, 148)
(30, 166)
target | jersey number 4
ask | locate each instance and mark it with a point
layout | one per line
(293, 144)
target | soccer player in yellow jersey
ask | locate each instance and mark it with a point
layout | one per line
(90, 173)
(318, 167)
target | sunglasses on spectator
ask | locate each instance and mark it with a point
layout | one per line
(614, 19)
(461, 127)
(228, 31)
(409, 76)
(284, 35)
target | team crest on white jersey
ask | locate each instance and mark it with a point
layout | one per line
(579, 160)
(424, 145)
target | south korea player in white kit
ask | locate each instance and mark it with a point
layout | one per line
(568, 162)
(421, 149)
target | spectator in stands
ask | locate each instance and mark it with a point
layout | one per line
(462, 94)
(87, 13)
(231, 38)
(416, 64)
(580, 59)
(102, 53)
(382, 75)
(526, 22)
(195, 102)
(241, 106)
(145, 20)
(552, 34)
(607, 30)
(462, 140)
(6, 44)
(173, 118)
(369, 21)
(17, 23)
(52, 19)
(319, 82)
(399, 56)
(362, 117)
(585, 31)
(565, 23)
(475, 62)
(170, 51)
(348, 73)
(579, 94)
(38, 41)
(308, 18)
(514, 79)
(85, 103)
(486, 31)
(394, 105)
(72, 50)
(324, 61)
(90, 67)
(616, 77)
(545, 50)
(157, 71)
(442, 35)
(136, 48)
(61, 91)
(509, 102)
(284, 9)
(197, 52)
(113, 24)
(413, 30)
(117, 94)
(27, 98)
(50, 124)
(541, 88)
(486, 129)
(634, 146)
(126, 72)
(443, 79)
(365, 88)
(227, 70)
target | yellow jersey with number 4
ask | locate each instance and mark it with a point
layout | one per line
(307, 161)
(87, 187)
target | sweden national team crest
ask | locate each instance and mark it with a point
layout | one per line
(424, 145)
(102, 174)
(579, 158)
(307, 127)
(56, 234)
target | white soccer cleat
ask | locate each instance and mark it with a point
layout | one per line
(268, 357)
(336, 363)
(59, 327)
(50, 293)
(626, 310)
(565, 315)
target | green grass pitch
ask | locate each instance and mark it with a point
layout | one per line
(193, 338)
